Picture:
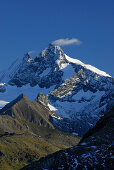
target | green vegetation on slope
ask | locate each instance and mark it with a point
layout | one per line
(17, 150)
(26, 134)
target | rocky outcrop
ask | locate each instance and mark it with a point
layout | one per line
(23, 108)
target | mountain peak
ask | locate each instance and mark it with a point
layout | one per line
(54, 52)
(27, 57)
(51, 49)
(50, 54)
(21, 96)
(12, 103)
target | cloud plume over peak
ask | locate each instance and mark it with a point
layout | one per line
(67, 41)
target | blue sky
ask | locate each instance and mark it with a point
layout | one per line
(27, 25)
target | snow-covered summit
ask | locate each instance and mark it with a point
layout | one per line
(53, 54)
(51, 49)
(56, 54)
(78, 92)
(51, 57)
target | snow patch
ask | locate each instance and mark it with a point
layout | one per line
(87, 66)
(56, 117)
(81, 106)
(3, 103)
(52, 108)
(2, 84)
(61, 65)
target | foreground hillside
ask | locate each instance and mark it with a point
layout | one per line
(26, 134)
(95, 151)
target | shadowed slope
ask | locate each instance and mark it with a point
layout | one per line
(94, 151)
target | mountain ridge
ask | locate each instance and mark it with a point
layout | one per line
(23, 108)
(53, 51)
(78, 95)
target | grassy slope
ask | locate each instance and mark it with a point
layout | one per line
(17, 150)
(30, 134)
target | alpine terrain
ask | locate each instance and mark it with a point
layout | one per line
(95, 150)
(27, 134)
(78, 93)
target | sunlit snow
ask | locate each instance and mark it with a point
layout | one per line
(3, 103)
(52, 108)
(87, 66)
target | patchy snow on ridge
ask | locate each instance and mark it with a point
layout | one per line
(2, 84)
(75, 61)
(52, 108)
(83, 101)
(87, 66)
(61, 65)
(96, 70)
(3, 103)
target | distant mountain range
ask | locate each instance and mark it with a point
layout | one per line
(79, 93)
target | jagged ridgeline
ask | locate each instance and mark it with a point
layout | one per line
(79, 93)
(63, 94)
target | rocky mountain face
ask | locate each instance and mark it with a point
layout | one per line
(95, 150)
(27, 134)
(23, 108)
(79, 93)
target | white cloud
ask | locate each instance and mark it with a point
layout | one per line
(62, 42)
